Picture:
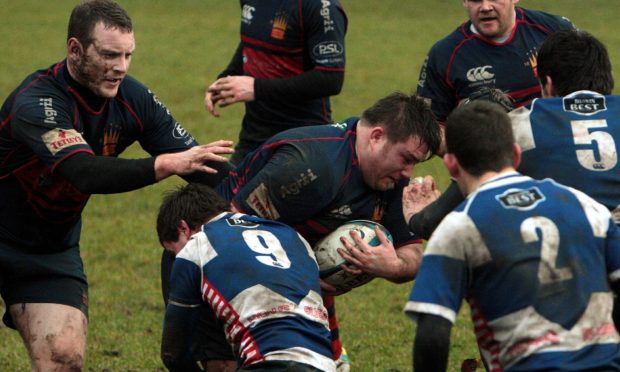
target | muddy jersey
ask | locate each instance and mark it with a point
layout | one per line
(574, 140)
(270, 306)
(282, 39)
(48, 118)
(534, 260)
(464, 61)
(310, 178)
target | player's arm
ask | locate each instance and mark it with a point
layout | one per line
(310, 84)
(383, 261)
(182, 313)
(424, 222)
(431, 344)
(178, 324)
(92, 174)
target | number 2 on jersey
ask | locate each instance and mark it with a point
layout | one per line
(549, 246)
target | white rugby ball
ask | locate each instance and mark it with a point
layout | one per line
(329, 260)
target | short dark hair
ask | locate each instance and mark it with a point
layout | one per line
(88, 13)
(480, 135)
(195, 203)
(575, 60)
(404, 116)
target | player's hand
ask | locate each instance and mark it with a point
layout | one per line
(192, 160)
(229, 90)
(330, 290)
(420, 192)
(209, 102)
(379, 261)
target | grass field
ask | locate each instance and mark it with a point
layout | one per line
(181, 46)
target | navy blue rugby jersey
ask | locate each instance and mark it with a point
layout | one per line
(48, 118)
(463, 62)
(309, 178)
(574, 140)
(282, 39)
(271, 308)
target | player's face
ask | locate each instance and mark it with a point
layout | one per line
(104, 64)
(175, 247)
(390, 162)
(492, 18)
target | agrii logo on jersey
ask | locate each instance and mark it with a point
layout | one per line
(328, 24)
(48, 110)
(480, 74)
(521, 199)
(295, 187)
(57, 139)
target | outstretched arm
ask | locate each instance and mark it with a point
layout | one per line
(92, 174)
(423, 223)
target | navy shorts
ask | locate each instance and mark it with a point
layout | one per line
(42, 278)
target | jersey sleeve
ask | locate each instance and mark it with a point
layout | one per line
(161, 132)
(441, 283)
(432, 83)
(44, 123)
(325, 25)
(289, 187)
(185, 283)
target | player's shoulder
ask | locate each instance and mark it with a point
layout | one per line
(540, 18)
(452, 40)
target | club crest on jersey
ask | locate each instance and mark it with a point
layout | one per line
(589, 105)
(238, 222)
(278, 30)
(521, 199)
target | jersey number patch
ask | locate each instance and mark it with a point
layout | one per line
(268, 247)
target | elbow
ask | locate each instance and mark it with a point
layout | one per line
(172, 361)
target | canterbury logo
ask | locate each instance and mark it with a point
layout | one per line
(480, 74)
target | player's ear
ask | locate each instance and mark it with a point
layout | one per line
(377, 133)
(516, 155)
(184, 229)
(548, 89)
(74, 47)
(452, 164)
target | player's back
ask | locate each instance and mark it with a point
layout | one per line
(539, 288)
(574, 140)
(261, 279)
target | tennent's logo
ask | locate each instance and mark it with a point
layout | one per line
(480, 73)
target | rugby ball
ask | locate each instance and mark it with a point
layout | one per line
(329, 260)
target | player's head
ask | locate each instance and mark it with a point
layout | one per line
(184, 210)
(479, 135)
(492, 18)
(394, 134)
(574, 60)
(100, 43)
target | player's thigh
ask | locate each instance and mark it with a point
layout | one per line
(55, 278)
(51, 330)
